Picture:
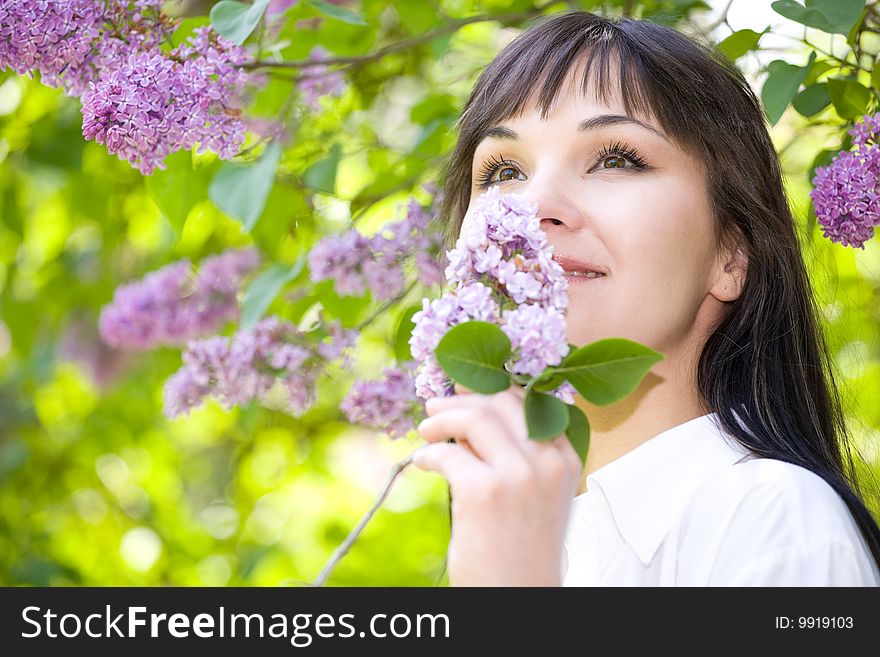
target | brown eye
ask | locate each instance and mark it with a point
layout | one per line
(617, 155)
(498, 170)
(507, 173)
(617, 162)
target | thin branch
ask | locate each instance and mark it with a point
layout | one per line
(276, 124)
(343, 549)
(369, 320)
(830, 55)
(722, 19)
(406, 44)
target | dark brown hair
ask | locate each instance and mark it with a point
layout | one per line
(767, 362)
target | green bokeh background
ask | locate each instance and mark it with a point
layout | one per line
(98, 488)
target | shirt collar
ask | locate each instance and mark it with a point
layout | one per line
(648, 487)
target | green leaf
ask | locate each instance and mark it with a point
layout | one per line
(430, 136)
(546, 416)
(434, 106)
(548, 380)
(263, 290)
(608, 370)
(473, 354)
(823, 158)
(850, 98)
(875, 78)
(287, 217)
(178, 188)
(236, 20)
(819, 67)
(321, 176)
(339, 13)
(856, 28)
(402, 333)
(832, 16)
(185, 29)
(346, 309)
(812, 100)
(241, 191)
(740, 42)
(782, 83)
(417, 17)
(578, 432)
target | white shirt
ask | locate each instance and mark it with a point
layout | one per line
(692, 507)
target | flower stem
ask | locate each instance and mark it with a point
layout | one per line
(381, 310)
(342, 550)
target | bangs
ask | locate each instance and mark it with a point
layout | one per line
(542, 63)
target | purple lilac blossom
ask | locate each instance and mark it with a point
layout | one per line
(357, 263)
(139, 101)
(845, 193)
(388, 404)
(69, 43)
(48, 37)
(171, 306)
(154, 104)
(316, 82)
(539, 333)
(473, 301)
(501, 271)
(246, 366)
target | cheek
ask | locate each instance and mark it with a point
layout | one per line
(662, 232)
(466, 222)
(660, 242)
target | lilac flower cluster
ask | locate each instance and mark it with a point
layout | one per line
(248, 365)
(171, 305)
(388, 404)
(70, 42)
(357, 263)
(845, 193)
(49, 37)
(501, 271)
(141, 102)
(154, 104)
(317, 82)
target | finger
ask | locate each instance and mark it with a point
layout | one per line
(487, 434)
(461, 390)
(508, 403)
(563, 444)
(453, 462)
(507, 407)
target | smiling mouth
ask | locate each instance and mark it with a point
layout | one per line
(584, 275)
(577, 271)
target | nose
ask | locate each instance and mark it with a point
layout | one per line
(558, 209)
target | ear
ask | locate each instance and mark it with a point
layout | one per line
(731, 275)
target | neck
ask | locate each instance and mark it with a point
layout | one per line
(666, 397)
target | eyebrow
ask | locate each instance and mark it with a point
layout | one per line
(593, 123)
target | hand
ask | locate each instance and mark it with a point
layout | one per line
(511, 496)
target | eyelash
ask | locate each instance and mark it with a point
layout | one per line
(493, 164)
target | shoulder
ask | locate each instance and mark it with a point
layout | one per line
(793, 502)
(772, 521)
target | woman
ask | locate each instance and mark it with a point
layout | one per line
(650, 162)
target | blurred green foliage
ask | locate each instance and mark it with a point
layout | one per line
(97, 488)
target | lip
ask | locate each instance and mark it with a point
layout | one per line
(573, 265)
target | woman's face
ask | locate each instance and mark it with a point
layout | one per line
(613, 192)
